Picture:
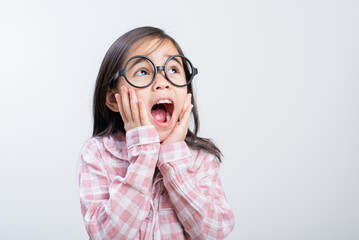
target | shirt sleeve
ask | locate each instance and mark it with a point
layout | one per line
(115, 209)
(195, 190)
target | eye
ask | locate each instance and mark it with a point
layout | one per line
(173, 70)
(141, 72)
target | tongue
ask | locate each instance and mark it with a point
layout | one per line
(159, 114)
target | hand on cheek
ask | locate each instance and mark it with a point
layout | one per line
(179, 132)
(132, 110)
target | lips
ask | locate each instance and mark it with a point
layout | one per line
(162, 111)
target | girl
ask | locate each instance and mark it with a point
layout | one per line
(143, 174)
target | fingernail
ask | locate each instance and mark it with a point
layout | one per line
(123, 89)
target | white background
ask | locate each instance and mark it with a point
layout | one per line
(277, 90)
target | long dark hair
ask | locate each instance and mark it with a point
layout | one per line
(106, 121)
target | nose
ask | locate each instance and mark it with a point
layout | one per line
(161, 81)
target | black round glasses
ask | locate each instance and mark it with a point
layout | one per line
(140, 71)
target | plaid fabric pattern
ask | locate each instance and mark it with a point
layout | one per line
(122, 199)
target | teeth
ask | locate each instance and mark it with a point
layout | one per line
(164, 101)
(168, 117)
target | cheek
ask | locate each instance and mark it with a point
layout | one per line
(181, 99)
(122, 82)
(143, 95)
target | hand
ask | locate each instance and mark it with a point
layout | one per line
(133, 111)
(179, 132)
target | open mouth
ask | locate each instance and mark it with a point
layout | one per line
(162, 111)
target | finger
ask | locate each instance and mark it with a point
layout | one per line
(187, 114)
(189, 98)
(187, 102)
(120, 107)
(134, 108)
(143, 113)
(125, 104)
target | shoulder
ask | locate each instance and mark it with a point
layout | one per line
(113, 144)
(92, 143)
(204, 160)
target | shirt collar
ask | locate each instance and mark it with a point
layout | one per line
(116, 144)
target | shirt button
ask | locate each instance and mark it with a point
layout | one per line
(149, 214)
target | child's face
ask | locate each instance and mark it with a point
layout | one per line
(165, 117)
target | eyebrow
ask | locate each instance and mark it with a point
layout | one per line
(138, 60)
(143, 59)
(175, 58)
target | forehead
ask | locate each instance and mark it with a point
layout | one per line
(153, 48)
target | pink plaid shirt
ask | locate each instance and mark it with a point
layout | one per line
(122, 199)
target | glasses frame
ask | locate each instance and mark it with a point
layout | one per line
(122, 72)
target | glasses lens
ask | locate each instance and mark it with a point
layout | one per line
(139, 71)
(179, 70)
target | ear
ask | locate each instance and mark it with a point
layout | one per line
(111, 102)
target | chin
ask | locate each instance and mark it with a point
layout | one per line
(163, 134)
